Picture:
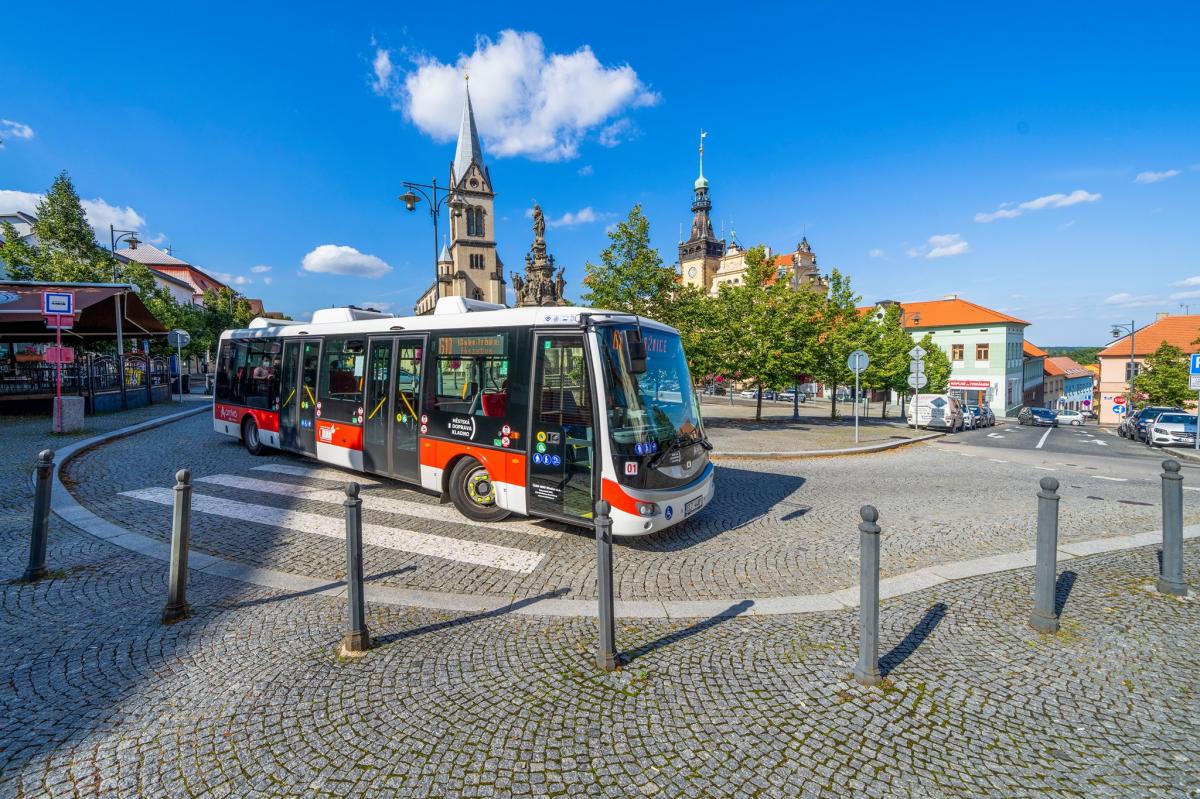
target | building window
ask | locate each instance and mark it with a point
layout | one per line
(956, 352)
(1137, 370)
(982, 352)
(474, 221)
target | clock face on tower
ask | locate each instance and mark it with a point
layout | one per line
(692, 272)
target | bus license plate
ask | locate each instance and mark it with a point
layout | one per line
(693, 505)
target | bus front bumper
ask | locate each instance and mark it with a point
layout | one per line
(672, 505)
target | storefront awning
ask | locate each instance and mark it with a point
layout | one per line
(95, 311)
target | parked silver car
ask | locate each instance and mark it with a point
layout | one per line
(1172, 429)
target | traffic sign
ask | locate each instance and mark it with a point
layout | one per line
(858, 361)
(918, 380)
(1194, 382)
(179, 338)
(1119, 400)
(916, 353)
(58, 303)
(916, 366)
(59, 355)
(1195, 363)
(1119, 410)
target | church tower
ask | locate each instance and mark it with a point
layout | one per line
(700, 255)
(475, 271)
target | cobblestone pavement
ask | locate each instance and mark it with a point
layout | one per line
(808, 435)
(776, 528)
(247, 699)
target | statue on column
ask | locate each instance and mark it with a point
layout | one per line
(540, 286)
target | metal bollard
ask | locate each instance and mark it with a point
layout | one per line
(36, 569)
(1044, 619)
(1170, 576)
(606, 651)
(357, 638)
(867, 670)
(181, 532)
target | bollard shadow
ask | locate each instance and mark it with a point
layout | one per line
(1062, 590)
(915, 637)
(249, 603)
(735, 609)
(450, 624)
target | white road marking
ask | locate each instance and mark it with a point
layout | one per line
(994, 435)
(1112, 479)
(1045, 468)
(1042, 440)
(437, 546)
(1190, 488)
(422, 510)
(996, 460)
(1011, 430)
(1098, 441)
(317, 472)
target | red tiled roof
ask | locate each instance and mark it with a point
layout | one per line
(1052, 369)
(1178, 330)
(947, 313)
(1034, 351)
(1066, 366)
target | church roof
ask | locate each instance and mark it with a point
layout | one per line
(469, 148)
(445, 255)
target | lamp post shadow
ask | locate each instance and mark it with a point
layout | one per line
(915, 637)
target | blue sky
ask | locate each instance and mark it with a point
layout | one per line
(248, 137)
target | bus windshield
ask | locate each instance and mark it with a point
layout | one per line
(657, 406)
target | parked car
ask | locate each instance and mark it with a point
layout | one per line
(936, 410)
(969, 420)
(1043, 417)
(749, 393)
(983, 415)
(1172, 429)
(1073, 418)
(788, 396)
(1126, 424)
(1089, 415)
(1137, 426)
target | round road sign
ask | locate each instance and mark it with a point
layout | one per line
(918, 380)
(1119, 410)
(857, 361)
(1119, 400)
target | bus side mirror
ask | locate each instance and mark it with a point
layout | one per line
(634, 350)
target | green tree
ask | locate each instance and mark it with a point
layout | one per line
(937, 366)
(631, 276)
(1164, 378)
(841, 329)
(17, 256)
(889, 356)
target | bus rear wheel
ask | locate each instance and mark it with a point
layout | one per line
(473, 492)
(250, 437)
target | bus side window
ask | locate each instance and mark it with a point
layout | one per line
(470, 374)
(340, 383)
(238, 372)
(261, 382)
(224, 370)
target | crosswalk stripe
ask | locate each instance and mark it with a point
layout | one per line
(423, 510)
(317, 472)
(438, 546)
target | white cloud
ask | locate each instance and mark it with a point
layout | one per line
(585, 170)
(617, 132)
(338, 259)
(610, 228)
(260, 269)
(876, 253)
(100, 214)
(230, 279)
(376, 304)
(946, 245)
(527, 102)
(1124, 299)
(159, 239)
(581, 217)
(268, 280)
(1155, 177)
(14, 130)
(1010, 210)
(1185, 295)
(1188, 281)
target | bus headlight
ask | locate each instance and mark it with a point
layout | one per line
(647, 508)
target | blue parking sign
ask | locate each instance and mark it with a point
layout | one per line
(1195, 363)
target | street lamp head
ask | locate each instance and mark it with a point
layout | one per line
(457, 205)
(1115, 332)
(410, 200)
(133, 241)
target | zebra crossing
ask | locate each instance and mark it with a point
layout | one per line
(206, 499)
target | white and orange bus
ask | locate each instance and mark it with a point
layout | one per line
(532, 411)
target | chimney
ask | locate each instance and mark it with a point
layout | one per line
(1161, 315)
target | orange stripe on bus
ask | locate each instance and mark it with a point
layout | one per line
(504, 466)
(611, 492)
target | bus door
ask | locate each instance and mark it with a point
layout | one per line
(392, 405)
(562, 459)
(298, 387)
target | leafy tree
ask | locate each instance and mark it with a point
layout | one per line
(937, 366)
(841, 328)
(888, 370)
(1164, 380)
(631, 276)
(16, 254)
(764, 326)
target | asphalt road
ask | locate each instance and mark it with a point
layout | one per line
(1088, 449)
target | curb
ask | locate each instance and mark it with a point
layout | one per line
(65, 506)
(827, 453)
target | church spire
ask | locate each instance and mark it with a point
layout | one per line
(468, 149)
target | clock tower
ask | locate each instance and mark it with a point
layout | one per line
(700, 254)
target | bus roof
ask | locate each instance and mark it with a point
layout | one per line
(451, 313)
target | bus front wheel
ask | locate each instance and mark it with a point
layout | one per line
(474, 493)
(250, 437)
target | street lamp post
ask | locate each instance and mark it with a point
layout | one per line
(448, 196)
(114, 236)
(1132, 329)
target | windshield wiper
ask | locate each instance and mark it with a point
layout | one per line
(677, 444)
